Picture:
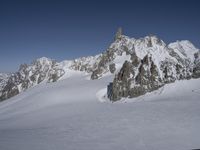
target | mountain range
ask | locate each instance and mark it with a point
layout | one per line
(137, 66)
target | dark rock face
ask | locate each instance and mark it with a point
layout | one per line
(118, 34)
(121, 83)
(135, 60)
(9, 90)
(196, 70)
(112, 68)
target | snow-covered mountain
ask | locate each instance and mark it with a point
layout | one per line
(150, 64)
(139, 65)
(69, 104)
(30, 75)
(43, 70)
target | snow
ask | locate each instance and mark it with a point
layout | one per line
(101, 95)
(68, 115)
(184, 48)
(119, 60)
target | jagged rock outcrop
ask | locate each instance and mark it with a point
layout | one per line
(196, 69)
(112, 68)
(3, 81)
(118, 34)
(135, 79)
(121, 84)
(9, 90)
(103, 66)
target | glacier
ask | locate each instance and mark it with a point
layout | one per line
(73, 114)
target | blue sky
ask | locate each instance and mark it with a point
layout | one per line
(69, 29)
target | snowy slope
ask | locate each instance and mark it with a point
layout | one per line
(184, 48)
(68, 115)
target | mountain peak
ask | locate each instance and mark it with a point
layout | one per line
(118, 33)
(43, 60)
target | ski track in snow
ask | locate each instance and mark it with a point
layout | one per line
(73, 114)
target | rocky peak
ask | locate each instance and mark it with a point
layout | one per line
(118, 34)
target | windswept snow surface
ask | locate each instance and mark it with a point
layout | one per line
(67, 115)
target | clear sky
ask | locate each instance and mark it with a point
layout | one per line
(69, 29)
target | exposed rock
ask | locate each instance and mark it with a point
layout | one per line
(9, 90)
(103, 65)
(112, 68)
(149, 43)
(96, 74)
(55, 74)
(118, 34)
(121, 83)
(3, 82)
(135, 60)
(196, 70)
